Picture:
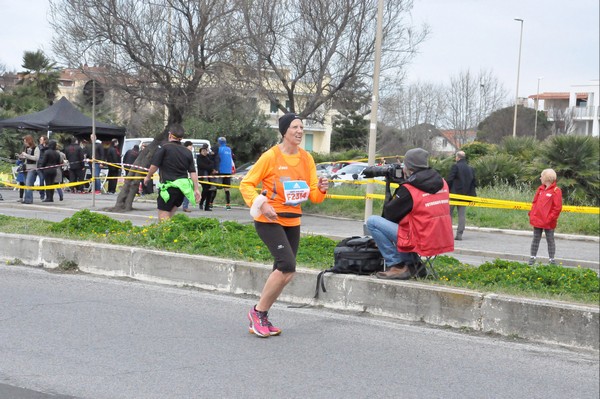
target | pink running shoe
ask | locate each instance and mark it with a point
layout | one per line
(259, 323)
(272, 329)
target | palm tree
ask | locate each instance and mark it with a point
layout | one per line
(575, 160)
(41, 73)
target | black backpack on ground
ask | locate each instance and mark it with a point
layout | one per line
(353, 255)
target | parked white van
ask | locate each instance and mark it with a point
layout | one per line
(129, 143)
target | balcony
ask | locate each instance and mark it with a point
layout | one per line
(577, 113)
(309, 125)
(585, 112)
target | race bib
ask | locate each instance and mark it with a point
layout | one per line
(295, 192)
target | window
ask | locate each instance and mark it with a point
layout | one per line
(308, 142)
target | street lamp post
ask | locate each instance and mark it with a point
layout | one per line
(481, 91)
(518, 73)
(537, 103)
(374, 107)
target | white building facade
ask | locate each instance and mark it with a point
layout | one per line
(579, 108)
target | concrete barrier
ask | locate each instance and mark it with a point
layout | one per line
(537, 320)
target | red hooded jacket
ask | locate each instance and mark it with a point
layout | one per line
(546, 207)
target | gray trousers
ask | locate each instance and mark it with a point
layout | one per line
(535, 243)
(462, 210)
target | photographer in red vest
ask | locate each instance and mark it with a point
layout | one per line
(416, 220)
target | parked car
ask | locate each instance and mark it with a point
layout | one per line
(335, 166)
(323, 170)
(129, 143)
(240, 171)
(352, 172)
(349, 172)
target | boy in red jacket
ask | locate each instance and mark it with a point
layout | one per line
(544, 213)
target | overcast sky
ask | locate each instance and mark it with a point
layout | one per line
(560, 40)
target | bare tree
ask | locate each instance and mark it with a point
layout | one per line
(492, 94)
(469, 99)
(412, 105)
(159, 51)
(562, 120)
(302, 53)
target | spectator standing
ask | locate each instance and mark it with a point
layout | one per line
(42, 147)
(213, 187)
(415, 220)
(49, 163)
(544, 213)
(206, 167)
(186, 202)
(224, 165)
(113, 160)
(59, 172)
(30, 155)
(115, 143)
(289, 176)
(178, 177)
(99, 156)
(75, 158)
(461, 180)
(131, 155)
(20, 178)
(147, 188)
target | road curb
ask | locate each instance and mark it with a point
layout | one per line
(545, 321)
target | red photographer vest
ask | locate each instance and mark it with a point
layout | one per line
(427, 229)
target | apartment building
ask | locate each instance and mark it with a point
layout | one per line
(317, 136)
(577, 111)
(450, 141)
(74, 82)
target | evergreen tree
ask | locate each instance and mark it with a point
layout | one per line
(350, 132)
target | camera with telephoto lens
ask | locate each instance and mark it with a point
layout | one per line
(393, 172)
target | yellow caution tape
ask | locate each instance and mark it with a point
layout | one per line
(455, 199)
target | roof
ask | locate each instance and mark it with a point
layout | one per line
(558, 96)
(62, 116)
(452, 135)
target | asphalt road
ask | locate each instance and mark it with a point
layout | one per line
(84, 336)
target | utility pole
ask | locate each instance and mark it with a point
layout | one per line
(518, 73)
(374, 105)
(537, 102)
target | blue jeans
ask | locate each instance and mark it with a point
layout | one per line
(97, 183)
(40, 175)
(29, 181)
(385, 234)
(186, 203)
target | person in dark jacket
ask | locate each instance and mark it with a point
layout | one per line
(49, 163)
(130, 156)
(75, 156)
(384, 229)
(113, 159)
(42, 147)
(206, 167)
(461, 180)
